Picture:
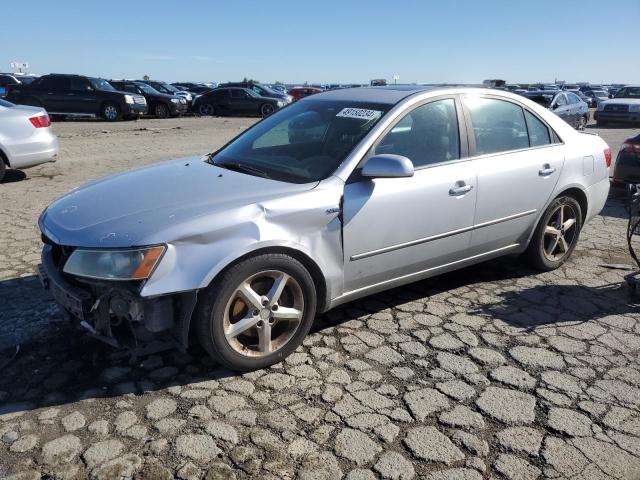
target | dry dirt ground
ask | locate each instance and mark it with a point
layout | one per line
(494, 371)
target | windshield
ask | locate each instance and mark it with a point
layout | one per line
(101, 84)
(4, 103)
(541, 99)
(628, 92)
(302, 143)
(163, 87)
(599, 93)
(147, 89)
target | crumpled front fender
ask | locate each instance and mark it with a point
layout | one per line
(307, 222)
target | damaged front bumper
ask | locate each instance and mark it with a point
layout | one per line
(114, 312)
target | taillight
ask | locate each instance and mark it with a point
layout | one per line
(630, 147)
(41, 121)
(607, 157)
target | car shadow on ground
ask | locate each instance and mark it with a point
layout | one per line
(12, 176)
(57, 365)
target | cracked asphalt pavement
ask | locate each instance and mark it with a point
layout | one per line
(494, 371)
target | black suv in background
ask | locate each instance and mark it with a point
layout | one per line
(164, 87)
(161, 105)
(78, 95)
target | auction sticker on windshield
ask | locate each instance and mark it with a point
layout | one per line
(361, 113)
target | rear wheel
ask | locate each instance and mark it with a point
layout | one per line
(161, 111)
(257, 313)
(110, 112)
(556, 235)
(582, 123)
(207, 109)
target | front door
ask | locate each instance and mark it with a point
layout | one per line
(396, 227)
(518, 160)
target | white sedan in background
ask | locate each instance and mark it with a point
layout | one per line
(26, 139)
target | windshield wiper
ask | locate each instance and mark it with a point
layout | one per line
(240, 167)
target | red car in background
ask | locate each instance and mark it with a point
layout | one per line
(300, 92)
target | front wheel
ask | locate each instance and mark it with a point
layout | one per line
(110, 112)
(266, 109)
(556, 235)
(162, 111)
(257, 313)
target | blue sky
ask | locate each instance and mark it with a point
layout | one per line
(327, 41)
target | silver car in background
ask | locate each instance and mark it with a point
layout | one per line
(338, 196)
(26, 139)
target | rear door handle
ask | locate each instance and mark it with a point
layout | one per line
(460, 189)
(546, 170)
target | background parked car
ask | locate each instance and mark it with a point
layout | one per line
(566, 105)
(160, 104)
(198, 88)
(627, 167)
(260, 90)
(167, 88)
(623, 107)
(25, 137)
(236, 101)
(597, 96)
(63, 95)
(300, 92)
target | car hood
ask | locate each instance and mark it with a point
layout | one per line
(623, 101)
(151, 204)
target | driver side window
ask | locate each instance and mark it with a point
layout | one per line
(426, 135)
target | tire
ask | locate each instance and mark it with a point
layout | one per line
(267, 109)
(161, 111)
(582, 123)
(221, 306)
(3, 168)
(110, 112)
(548, 250)
(207, 109)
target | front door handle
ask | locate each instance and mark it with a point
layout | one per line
(460, 188)
(546, 170)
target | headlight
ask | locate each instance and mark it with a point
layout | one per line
(280, 104)
(126, 264)
(175, 100)
(128, 98)
(634, 108)
(600, 106)
(289, 98)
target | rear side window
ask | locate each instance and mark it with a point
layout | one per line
(55, 83)
(498, 125)
(426, 135)
(538, 131)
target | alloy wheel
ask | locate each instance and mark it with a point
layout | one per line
(267, 110)
(560, 233)
(206, 109)
(263, 313)
(110, 112)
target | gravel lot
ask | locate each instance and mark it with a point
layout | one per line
(494, 371)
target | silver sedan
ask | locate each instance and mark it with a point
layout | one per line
(336, 197)
(26, 138)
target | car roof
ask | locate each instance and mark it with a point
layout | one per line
(389, 94)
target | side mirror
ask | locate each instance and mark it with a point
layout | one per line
(610, 96)
(387, 166)
(554, 106)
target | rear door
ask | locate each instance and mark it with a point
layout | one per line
(54, 98)
(518, 160)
